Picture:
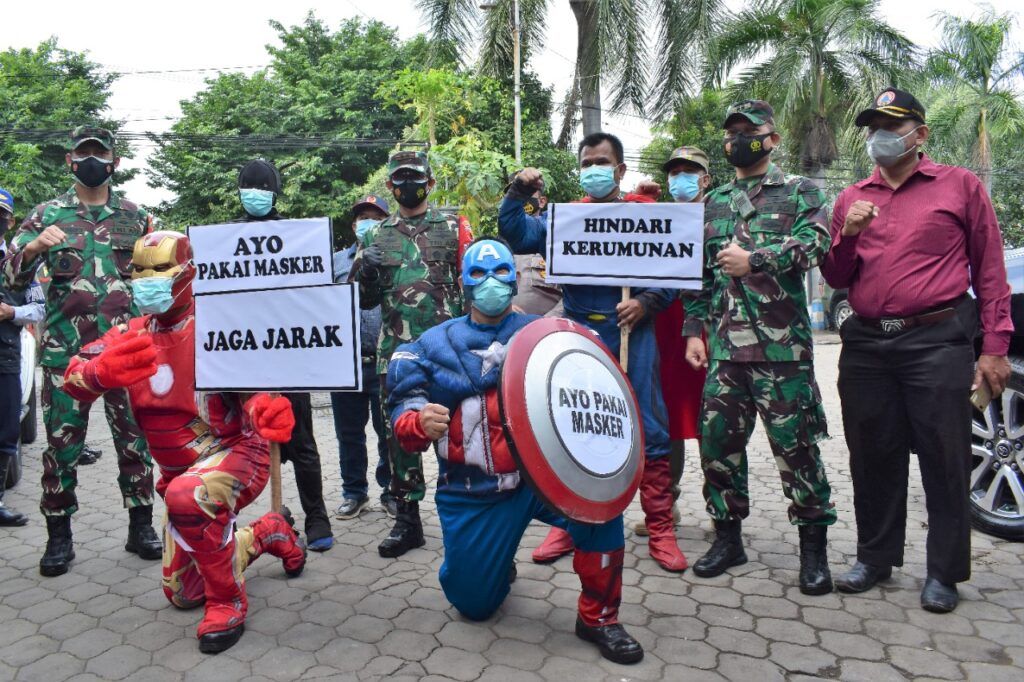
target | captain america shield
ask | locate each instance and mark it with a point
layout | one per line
(572, 420)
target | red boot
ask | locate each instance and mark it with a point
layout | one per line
(274, 533)
(557, 544)
(657, 502)
(226, 603)
(598, 619)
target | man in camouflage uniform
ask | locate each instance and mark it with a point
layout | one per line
(408, 265)
(762, 232)
(85, 237)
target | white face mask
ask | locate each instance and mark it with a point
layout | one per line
(886, 148)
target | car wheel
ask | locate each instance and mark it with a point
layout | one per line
(14, 468)
(997, 461)
(841, 312)
(30, 424)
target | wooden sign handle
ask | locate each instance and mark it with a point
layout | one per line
(275, 477)
(624, 336)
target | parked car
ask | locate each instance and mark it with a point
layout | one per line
(997, 448)
(29, 403)
(837, 308)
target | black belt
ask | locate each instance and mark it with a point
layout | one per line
(898, 325)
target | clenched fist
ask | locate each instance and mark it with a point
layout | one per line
(858, 217)
(50, 237)
(434, 420)
(696, 353)
(129, 359)
(734, 260)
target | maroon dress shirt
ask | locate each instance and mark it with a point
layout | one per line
(934, 236)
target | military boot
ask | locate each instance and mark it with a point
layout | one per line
(407, 533)
(725, 552)
(815, 577)
(60, 550)
(142, 539)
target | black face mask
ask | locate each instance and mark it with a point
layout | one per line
(92, 172)
(411, 193)
(746, 150)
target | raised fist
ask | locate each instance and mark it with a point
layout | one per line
(130, 359)
(272, 418)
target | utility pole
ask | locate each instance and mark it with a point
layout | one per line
(518, 124)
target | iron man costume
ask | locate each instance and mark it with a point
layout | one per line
(212, 448)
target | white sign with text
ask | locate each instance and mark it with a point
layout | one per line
(626, 244)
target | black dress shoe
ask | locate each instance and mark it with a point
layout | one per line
(862, 577)
(216, 642)
(513, 573)
(89, 455)
(613, 641)
(938, 597)
(9, 517)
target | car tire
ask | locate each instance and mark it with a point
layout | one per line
(997, 461)
(840, 313)
(14, 468)
(30, 424)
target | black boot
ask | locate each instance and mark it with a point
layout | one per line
(216, 642)
(89, 455)
(815, 578)
(60, 550)
(8, 517)
(407, 533)
(142, 539)
(725, 552)
(614, 643)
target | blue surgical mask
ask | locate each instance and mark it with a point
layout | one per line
(153, 294)
(492, 297)
(363, 226)
(684, 186)
(257, 202)
(598, 181)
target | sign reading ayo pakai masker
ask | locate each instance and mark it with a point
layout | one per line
(626, 244)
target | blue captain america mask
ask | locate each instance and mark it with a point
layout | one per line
(485, 259)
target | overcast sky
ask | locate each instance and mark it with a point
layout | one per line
(188, 34)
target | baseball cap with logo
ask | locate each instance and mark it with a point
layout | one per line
(6, 202)
(416, 161)
(897, 104)
(757, 111)
(85, 133)
(691, 154)
(371, 200)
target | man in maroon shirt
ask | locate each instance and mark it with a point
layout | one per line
(908, 242)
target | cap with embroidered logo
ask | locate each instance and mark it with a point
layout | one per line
(690, 154)
(894, 103)
(757, 111)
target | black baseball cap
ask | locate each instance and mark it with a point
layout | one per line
(894, 103)
(374, 201)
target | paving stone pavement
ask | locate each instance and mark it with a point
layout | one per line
(353, 615)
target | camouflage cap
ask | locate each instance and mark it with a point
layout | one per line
(757, 111)
(690, 154)
(85, 133)
(413, 160)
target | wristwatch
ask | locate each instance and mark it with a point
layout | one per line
(757, 260)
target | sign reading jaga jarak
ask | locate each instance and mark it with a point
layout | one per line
(626, 244)
(268, 317)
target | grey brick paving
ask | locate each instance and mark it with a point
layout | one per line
(355, 616)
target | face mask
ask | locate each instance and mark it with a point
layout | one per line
(410, 193)
(363, 226)
(153, 294)
(532, 206)
(492, 297)
(684, 186)
(746, 150)
(92, 171)
(256, 202)
(886, 148)
(598, 181)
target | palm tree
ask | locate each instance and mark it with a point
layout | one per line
(978, 101)
(816, 61)
(648, 50)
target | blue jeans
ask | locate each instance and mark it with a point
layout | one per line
(481, 534)
(351, 412)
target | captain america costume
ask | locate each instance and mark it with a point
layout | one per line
(482, 503)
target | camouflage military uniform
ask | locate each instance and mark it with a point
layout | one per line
(417, 289)
(88, 294)
(760, 343)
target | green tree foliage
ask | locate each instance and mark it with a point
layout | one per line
(44, 93)
(309, 113)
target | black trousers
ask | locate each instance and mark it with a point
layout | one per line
(10, 423)
(902, 391)
(302, 452)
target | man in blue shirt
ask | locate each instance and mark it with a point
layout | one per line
(352, 410)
